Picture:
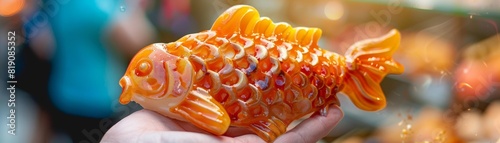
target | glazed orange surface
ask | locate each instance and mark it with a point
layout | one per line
(248, 71)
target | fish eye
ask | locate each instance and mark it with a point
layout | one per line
(143, 68)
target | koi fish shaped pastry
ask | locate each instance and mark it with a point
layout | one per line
(247, 71)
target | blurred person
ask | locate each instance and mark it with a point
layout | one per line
(85, 67)
(87, 43)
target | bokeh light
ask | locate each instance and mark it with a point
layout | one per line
(334, 10)
(10, 7)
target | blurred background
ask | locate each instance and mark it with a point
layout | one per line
(70, 55)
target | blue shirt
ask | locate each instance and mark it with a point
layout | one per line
(86, 70)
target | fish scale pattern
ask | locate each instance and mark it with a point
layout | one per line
(255, 77)
(263, 78)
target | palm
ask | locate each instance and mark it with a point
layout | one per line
(149, 126)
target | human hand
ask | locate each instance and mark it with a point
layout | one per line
(149, 126)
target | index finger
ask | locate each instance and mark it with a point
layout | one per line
(314, 128)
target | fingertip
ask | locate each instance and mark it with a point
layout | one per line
(336, 114)
(336, 111)
(332, 118)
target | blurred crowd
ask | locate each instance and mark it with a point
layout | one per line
(70, 55)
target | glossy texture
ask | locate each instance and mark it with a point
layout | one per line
(250, 72)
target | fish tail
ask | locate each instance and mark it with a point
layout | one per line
(367, 63)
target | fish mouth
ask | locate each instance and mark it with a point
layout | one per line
(126, 95)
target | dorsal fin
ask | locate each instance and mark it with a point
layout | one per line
(246, 20)
(239, 18)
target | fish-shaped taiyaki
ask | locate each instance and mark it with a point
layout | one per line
(247, 71)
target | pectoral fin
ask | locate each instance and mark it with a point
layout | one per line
(203, 111)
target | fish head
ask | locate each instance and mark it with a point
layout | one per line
(147, 75)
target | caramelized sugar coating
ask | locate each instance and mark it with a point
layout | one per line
(249, 72)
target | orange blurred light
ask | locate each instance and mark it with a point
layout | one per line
(334, 10)
(472, 80)
(10, 7)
